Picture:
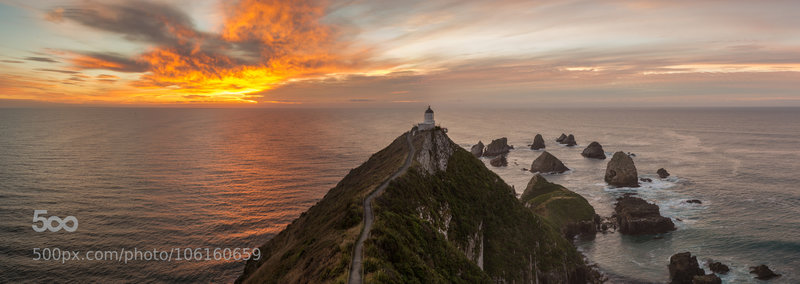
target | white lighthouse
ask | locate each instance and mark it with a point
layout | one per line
(428, 123)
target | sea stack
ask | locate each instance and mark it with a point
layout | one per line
(636, 216)
(594, 151)
(561, 138)
(477, 149)
(546, 163)
(621, 171)
(569, 141)
(500, 161)
(718, 267)
(497, 147)
(538, 142)
(683, 268)
(662, 173)
(763, 272)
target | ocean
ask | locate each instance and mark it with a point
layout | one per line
(158, 178)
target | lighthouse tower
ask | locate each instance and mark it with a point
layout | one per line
(428, 123)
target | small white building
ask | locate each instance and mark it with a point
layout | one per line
(428, 123)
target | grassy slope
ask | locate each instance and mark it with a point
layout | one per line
(406, 245)
(557, 203)
(405, 248)
(317, 246)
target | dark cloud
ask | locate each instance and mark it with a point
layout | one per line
(41, 59)
(58, 71)
(162, 25)
(136, 20)
(107, 78)
(107, 61)
(11, 61)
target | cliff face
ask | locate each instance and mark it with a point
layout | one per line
(447, 219)
(434, 151)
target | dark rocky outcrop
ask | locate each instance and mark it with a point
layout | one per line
(538, 142)
(621, 171)
(594, 151)
(500, 161)
(683, 268)
(662, 173)
(567, 209)
(497, 147)
(607, 224)
(547, 163)
(695, 201)
(635, 216)
(561, 138)
(645, 180)
(763, 272)
(569, 141)
(707, 279)
(718, 267)
(477, 149)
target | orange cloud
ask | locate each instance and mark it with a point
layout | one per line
(262, 44)
(286, 35)
(88, 62)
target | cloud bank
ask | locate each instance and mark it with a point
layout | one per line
(364, 53)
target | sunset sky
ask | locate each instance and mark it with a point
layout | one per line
(370, 53)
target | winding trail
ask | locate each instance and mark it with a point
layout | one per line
(369, 216)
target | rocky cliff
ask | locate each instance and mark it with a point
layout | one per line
(448, 218)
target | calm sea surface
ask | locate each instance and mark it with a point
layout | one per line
(232, 178)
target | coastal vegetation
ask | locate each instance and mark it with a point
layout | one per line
(447, 219)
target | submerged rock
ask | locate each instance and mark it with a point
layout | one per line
(683, 268)
(497, 147)
(695, 201)
(662, 173)
(645, 180)
(477, 149)
(763, 272)
(500, 161)
(594, 151)
(538, 142)
(547, 163)
(707, 279)
(569, 141)
(718, 267)
(636, 216)
(621, 171)
(561, 138)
